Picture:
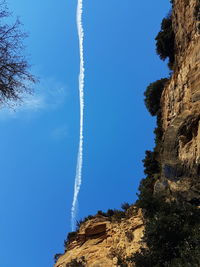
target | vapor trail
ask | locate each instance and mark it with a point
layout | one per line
(78, 176)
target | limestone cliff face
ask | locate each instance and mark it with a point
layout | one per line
(101, 241)
(180, 155)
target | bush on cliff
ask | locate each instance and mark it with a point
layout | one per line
(110, 214)
(70, 237)
(172, 236)
(158, 131)
(146, 188)
(153, 94)
(57, 256)
(77, 263)
(197, 11)
(125, 206)
(165, 41)
(113, 215)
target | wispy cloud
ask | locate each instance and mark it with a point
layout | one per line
(49, 94)
(59, 133)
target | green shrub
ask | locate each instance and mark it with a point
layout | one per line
(172, 230)
(77, 263)
(197, 11)
(101, 213)
(172, 236)
(165, 41)
(146, 188)
(118, 215)
(118, 253)
(198, 28)
(81, 221)
(109, 213)
(151, 164)
(158, 131)
(125, 206)
(113, 215)
(57, 256)
(70, 238)
(122, 262)
(153, 94)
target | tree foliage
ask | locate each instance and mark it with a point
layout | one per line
(165, 41)
(172, 236)
(15, 79)
(146, 188)
(57, 256)
(153, 94)
(125, 206)
(197, 11)
(70, 237)
(77, 263)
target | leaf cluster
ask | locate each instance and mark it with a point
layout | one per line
(70, 238)
(146, 188)
(165, 41)
(172, 236)
(77, 263)
(197, 11)
(153, 94)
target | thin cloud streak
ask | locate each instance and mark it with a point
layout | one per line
(78, 177)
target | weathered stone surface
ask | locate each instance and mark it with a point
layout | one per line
(181, 108)
(96, 229)
(99, 240)
(104, 241)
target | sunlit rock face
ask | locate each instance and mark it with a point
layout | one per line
(101, 241)
(181, 109)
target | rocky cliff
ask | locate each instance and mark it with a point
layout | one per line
(102, 242)
(180, 154)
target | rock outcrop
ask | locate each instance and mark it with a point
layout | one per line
(102, 242)
(180, 155)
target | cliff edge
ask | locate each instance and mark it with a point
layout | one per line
(180, 152)
(104, 242)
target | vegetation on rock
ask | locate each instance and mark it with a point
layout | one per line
(171, 234)
(197, 15)
(146, 188)
(113, 215)
(77, 263)
(70, 238)
(172, 228)
(165, 41)
(153, 94)
(57, 256)
(197, 11)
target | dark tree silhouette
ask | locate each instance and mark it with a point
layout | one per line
(15, 78)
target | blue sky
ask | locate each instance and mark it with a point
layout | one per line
(39, 141)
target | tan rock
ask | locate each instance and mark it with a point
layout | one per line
(104, 240)
(180, 104)
(101, 241)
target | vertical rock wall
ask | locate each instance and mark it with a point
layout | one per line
(101, 241)
(181, 108)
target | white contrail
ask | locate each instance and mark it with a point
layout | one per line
(78, 177)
